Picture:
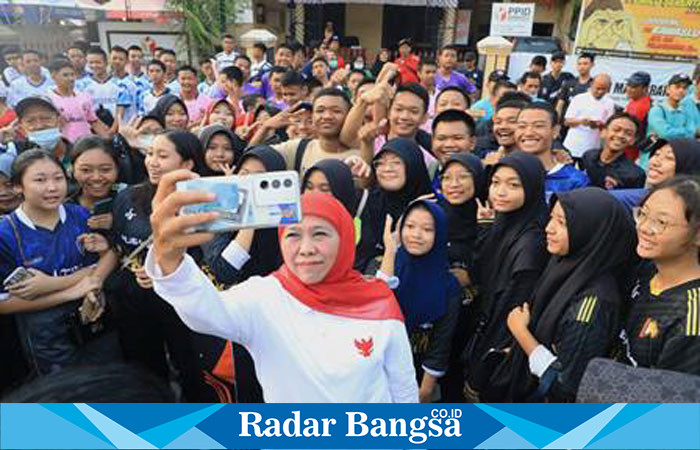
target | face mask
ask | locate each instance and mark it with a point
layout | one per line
(46, 139)
(359, 65)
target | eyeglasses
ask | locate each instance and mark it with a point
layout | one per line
(657, 225)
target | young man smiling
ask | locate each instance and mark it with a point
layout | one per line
(609, 168)
(537, 127)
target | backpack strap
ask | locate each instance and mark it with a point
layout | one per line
(18, 238)
(299, 156)
(362, 204)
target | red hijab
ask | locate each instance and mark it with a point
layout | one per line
(344, 291)
(210, 110)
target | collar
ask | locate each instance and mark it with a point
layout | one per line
(29, 80)
(668, 106)
(24, 218)
(101, 82)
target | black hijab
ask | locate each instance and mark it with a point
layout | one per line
(687, 154)
(208, 133)
(602, 239)
(462, 226)
(417, 179)
(164, 104)
(265, 256)
(339, 177)
(504, 253)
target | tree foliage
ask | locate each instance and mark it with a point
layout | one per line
(203, 20)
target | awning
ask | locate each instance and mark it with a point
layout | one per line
(431, 3)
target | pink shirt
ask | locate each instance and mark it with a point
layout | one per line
(197, 108)
(77, 112)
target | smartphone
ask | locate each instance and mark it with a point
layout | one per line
(303, 105)
(17, 275)
(103, 206)
(265, 200)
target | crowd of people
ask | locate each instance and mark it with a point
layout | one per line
(465, 236)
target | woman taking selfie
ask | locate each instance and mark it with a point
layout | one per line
(316, 304)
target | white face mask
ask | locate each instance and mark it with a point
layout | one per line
(359, 65)
(46, 139)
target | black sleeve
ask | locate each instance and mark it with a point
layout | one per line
(223, 271)
(681, 350)
(440, 346)
(586, 331)
(518, 291)
(595, 172)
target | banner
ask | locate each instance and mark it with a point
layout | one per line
(310, 426)
(512, 19)
(652, 29)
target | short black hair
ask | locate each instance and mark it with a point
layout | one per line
(59, 64)
(243, 57)
(558, 56)
(278, 69)
(312, 83)
(427, 62)
(77, 46)
(513, 99)
(284, 45)
(205, 60)
(588, 55)
(455, 115)
(95, 50)
(12, 50)
(260, 46)
(187, 68)
(529, 75)
(501, 84)
(167, 51)
(233, 73)
(417, 90)
(227, 36)
(539, 60)
(624, 115)
(135, 48)
(321, 59)
(333, 92)
(156, 62)
(119, 49)
(458, 90)
(31, 51)
(449, 47)
(292, 78)
(543, 106)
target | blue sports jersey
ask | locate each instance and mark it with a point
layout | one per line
(128, 96)
(56, 253)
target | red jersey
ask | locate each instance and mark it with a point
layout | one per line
(639, 109)
(408, 69)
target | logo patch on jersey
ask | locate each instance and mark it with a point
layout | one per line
(692, 326)
(650, 329)
(585, 312)
(365, 347)
(130, 214)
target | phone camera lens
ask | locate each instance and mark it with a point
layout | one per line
(276, 184)
(287, 183)
(264, 184)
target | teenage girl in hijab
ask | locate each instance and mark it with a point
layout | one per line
(462, 182)
(335, 177)
(315, 304)
(401, 178)
(663, 328)
(509, 263)
(172, 112)
(232, 258)
(575, 311)
(667, 159)
(430, 297)
(220, 112)
(222, 149)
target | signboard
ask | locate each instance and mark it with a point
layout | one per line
(464, 19)
(651, 29)
(512, 19)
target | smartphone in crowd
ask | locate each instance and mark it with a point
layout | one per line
(17, 275)
(265, 200)
(103, 206)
